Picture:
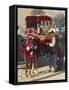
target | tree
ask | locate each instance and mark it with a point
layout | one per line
(61, 18)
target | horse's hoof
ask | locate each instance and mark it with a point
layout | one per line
(49, 70)
(26, 75)
(36, 72)
(30, 76)
(32, 71)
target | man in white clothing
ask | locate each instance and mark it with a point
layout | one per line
(53, 55)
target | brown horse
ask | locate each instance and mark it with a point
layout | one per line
(30, 57)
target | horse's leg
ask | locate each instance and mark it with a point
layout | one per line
(26, 67)
(30, 64)
(35, 64)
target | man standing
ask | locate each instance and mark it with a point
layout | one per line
(40, 29)
(53, 55)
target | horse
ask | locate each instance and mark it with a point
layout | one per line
(30, 56)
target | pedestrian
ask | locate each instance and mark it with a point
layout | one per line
(52, 51)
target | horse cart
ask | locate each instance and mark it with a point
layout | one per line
(37, 27)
